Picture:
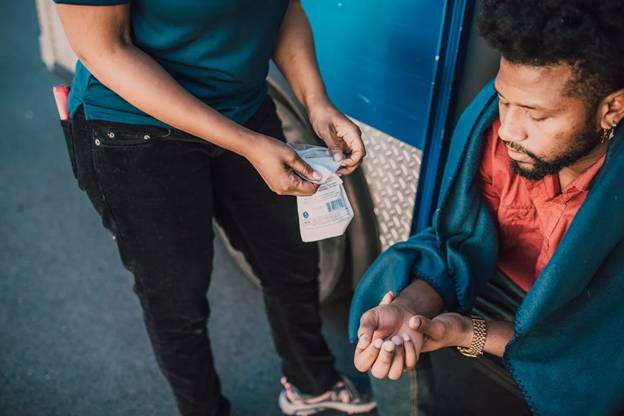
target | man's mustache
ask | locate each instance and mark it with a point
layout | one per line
(514, 146)
(520, 149)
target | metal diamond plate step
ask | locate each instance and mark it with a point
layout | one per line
(391, 169)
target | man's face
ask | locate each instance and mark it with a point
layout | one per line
(544, 129)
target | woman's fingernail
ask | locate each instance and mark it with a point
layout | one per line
(406, 338)
(316, 176)
(377, 343)
(397, 340)
(338, 156)
(388, 346)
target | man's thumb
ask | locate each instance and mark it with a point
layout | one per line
(427, 327)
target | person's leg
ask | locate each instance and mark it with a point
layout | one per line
(264, 226)
(155, 195)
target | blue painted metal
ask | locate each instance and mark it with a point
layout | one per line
(393, 65)
(378, 60)
(452, 43)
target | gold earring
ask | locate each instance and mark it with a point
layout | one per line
(613, 127)
(607, 134)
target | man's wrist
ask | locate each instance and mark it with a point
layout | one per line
(466, 333)
(477, 340)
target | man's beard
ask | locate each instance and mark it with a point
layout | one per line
(582, 145)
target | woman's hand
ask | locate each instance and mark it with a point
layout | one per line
(445, 330)
(342, 137)
(281, 167)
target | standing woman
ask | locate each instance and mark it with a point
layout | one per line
(172, 126)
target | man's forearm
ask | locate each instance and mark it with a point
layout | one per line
(420, 299)
(499, 335)
(295, 57)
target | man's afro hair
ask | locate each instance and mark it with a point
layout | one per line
(586, 34)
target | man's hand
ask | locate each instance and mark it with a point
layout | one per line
(445, 330)
(455, 330)
(281, 168)
(342, 137)
(387, 346)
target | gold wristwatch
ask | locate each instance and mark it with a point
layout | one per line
(479, 334)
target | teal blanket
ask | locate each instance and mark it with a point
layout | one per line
(567, 354)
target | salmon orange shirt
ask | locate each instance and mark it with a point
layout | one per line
(532, 216)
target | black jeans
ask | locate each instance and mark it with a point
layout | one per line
(158, 189)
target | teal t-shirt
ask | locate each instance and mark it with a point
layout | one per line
(218, 50)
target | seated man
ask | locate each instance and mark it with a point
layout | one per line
(534, 187)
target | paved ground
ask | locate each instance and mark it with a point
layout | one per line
(72, 340)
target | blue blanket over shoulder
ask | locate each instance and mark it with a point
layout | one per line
(567, 354)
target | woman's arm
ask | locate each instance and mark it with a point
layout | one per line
(295, 57)
(100, 36)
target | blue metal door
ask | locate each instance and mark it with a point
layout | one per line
(393, 65)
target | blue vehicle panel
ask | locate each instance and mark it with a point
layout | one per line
(393, 65)
(379, 60)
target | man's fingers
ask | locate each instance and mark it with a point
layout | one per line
(431, 328)
(410, 352)
(365, 358)
(383, 362)
(396, 369)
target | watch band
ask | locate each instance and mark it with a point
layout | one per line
(479, 335)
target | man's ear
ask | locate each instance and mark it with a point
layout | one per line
(611, 109)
